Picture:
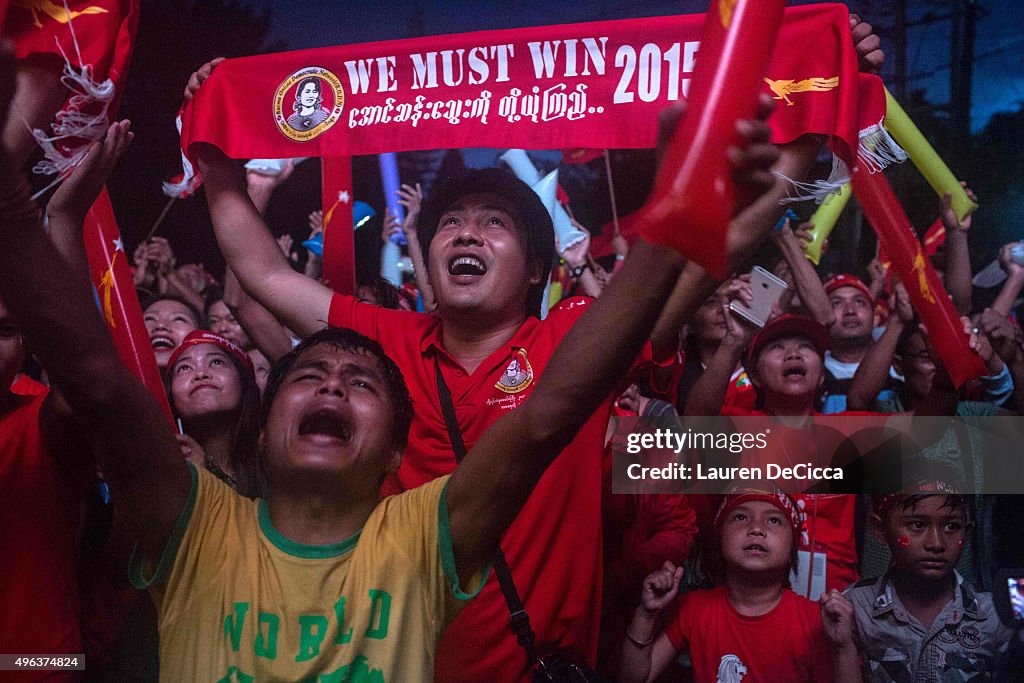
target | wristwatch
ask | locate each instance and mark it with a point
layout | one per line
(579, 270)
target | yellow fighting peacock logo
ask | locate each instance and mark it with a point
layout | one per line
(922, 281)
(784, 88)
(57, 11)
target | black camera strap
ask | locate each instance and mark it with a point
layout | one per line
(518, 619)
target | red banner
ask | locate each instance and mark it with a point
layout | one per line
(597, 85)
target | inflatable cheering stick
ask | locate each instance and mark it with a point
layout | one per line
(897, 238)
(924, 156)
(824, 221)
(547, 189)
(524, 169)
(389, 179)
(693, 197)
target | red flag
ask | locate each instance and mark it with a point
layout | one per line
(104, 31)
(629, 227)
(915, 271)
(95, 36)
(112, 277)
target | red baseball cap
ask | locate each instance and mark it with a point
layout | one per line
(206, 337)
(787, 325)
(844, 280)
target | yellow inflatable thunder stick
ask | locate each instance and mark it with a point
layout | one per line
(824, 220)
(932, 167)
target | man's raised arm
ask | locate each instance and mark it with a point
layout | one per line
(496, 477)
(55, 308)
(248, 247)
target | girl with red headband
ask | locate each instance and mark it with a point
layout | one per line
(213, 393)
(751, 627)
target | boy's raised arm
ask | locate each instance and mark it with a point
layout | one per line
(55, 308)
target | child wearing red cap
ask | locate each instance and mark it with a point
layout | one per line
(752, 627)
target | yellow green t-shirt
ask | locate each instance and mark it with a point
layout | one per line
(237, 601)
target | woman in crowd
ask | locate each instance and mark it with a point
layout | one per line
(213, 392)
(169, 319)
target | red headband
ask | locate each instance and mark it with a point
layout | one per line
(205, 337)
(780, 499)
(884, 504)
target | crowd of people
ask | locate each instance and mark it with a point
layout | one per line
(414, 483)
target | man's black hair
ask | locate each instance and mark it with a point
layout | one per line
(921, 469)
(908, 333)
(535, 221)
(214, 293)
(386, 294)
(349, 340)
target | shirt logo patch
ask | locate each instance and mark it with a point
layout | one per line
(967, 635)
(517, 376)
(730, 670)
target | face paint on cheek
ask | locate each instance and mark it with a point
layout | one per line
(903, 541)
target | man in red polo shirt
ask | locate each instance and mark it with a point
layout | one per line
(488, 243)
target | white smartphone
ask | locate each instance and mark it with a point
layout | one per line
(766, 290)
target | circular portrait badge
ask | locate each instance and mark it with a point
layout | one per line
(307, 103)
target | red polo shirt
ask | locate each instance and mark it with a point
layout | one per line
(554, 545)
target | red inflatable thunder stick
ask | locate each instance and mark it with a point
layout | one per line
(119, 304)
(909, 262)
(695, 177)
